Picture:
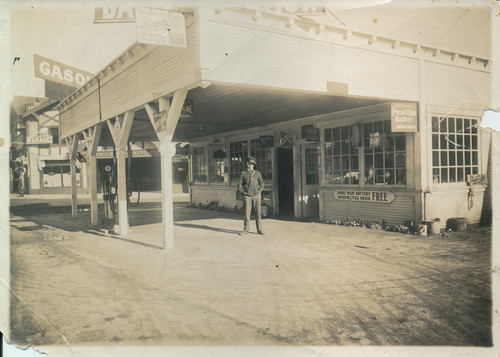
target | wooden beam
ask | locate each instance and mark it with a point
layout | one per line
(175, 110)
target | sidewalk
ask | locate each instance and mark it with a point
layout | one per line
(302, 284)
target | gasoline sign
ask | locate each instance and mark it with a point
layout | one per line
(48, 69)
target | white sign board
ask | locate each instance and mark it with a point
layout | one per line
(404, 117)
(39, 140)
(160, 27)
(364, 196)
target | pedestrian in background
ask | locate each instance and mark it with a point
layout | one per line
(251, 186)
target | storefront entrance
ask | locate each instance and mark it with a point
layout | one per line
(309, 195)
(285, 181)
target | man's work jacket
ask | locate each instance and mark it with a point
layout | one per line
(251, 183)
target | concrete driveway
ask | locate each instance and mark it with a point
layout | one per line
(304, 283)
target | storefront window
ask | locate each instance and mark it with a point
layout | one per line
(455, 152)
(238, 151)
(216, 162)
(57, 173)
(199, 166)
(341, 157)
(384, 154)
(312, 156)
(263, 156)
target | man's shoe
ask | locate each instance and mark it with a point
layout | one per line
(244, 233)
(261, 233)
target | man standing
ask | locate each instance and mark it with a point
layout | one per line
(251, 186)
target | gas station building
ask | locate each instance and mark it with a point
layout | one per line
(343, 123)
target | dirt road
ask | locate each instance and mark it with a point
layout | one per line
(302, 284)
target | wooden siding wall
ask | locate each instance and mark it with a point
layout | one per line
(457, 87)
(261, 56)
(226, 195)
(454, 203)
(142, 78)
(397, 212)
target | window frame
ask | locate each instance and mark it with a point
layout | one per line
(361, 156)
(439, 151)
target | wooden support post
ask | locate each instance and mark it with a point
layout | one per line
(167, 150)
(73, 147)
(120, 132)
(169, 113)
(122, 191)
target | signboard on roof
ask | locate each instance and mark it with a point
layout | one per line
(108, 13)
(404, 117)
(160, 27)
(54, 71)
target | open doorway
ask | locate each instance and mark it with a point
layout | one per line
(285, 182)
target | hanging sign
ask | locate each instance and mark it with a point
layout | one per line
(404, 117)
(160, 27)
(39, 140)
(187, 109)
(48, 69)
(364, 196)
(287, 139)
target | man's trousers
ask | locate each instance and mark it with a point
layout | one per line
(249, 202)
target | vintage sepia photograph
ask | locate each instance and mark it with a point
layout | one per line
(250, 178)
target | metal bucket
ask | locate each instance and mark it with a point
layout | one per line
(457, 224)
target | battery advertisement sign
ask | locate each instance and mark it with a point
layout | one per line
(160, 27)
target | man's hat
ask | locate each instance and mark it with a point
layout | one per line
(251, 160)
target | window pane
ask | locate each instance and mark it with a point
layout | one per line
(379, 176)
(435, 175)
(460, 141)
(401, 160)
(474, 142)
(467, 158)
(452, 173)
(460, 174)
(460, 158)
(435, 124)
(474, 126)
(467, 142)
(466, 126)
(379, 161)
(328, 135)
(444, 142)
(389, 177)
(389, 143)
(444, 158)
(435, 158)
(444, 175)
(435, 141)
(459, 122)
(336, 148)
(400, 177)
(389, 161)
(451, 158)
(354, 162)
(475, 160)
(336, 134)
(443, 125)
(451, 125)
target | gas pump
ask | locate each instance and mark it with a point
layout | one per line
(109, 184)
(109, 191)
